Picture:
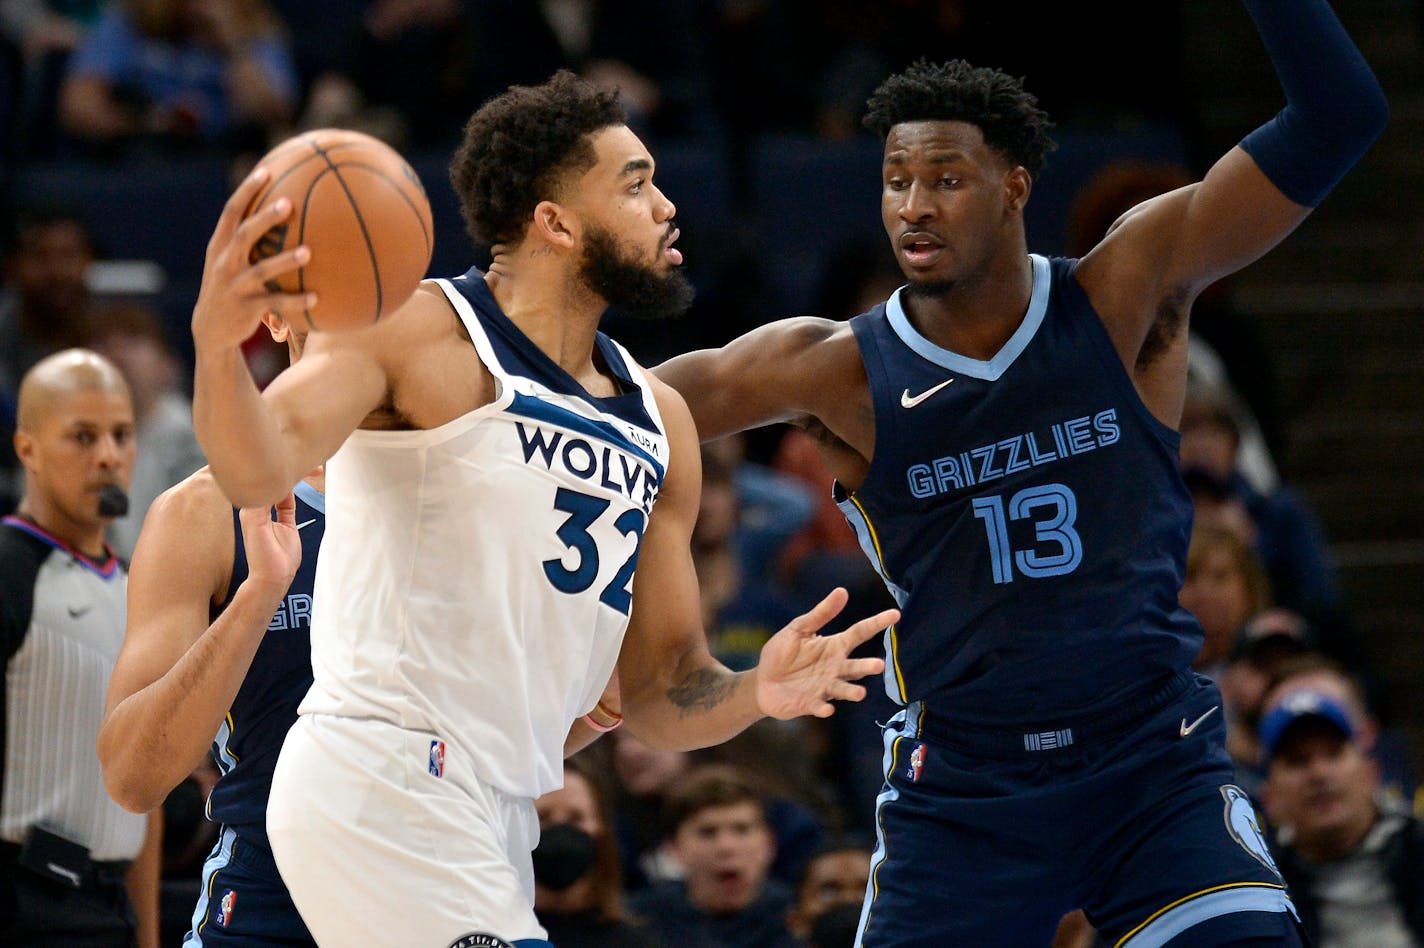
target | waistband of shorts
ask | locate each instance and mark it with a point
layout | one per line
(250, 854)
(1101, 726)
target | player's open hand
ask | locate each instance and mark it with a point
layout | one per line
(802, 672)
(235, 291)
(274, 547)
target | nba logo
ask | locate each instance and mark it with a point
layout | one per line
(225, 908)
(437, 758)
(917, 761)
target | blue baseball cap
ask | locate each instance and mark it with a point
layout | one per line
(1297, 706)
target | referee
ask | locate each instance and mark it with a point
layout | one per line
(75, 868)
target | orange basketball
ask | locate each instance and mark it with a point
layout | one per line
(362, 211)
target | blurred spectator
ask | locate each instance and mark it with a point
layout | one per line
(43, 34)
(1279, 524)
(768, 507)
(43, 308)
(75, 868)
(1354, 865)
(45, 302)
(130, 336)
(405, 72)
(782, 760)
(181, 74)
(1265, 643)
(645, 777)
(742, 606)
(829, 894)
(717, 830)
(649, 49)
(578, 886)
(1224, 587)
(1389, 747)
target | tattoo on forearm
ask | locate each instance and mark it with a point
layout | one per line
(702, 690)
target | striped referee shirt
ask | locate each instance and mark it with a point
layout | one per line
(61, 625)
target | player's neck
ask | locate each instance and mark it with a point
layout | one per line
(976, 315)
(550, 306)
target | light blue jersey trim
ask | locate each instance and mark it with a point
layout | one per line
(217, 861)
(893, 677)
(540, 410)
(310, 496)
(1174, 921)
(226, 758)
(975, 368)
(888, 795)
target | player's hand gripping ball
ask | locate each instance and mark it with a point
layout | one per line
(363, 212)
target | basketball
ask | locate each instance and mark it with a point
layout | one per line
(363, 212)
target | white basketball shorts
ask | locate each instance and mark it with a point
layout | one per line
(384, 839)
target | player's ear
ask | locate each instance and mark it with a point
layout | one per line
(24, 446)
(277, 326)
(1017, 184)
(553, 224)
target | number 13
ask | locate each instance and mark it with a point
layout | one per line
(1056, 527)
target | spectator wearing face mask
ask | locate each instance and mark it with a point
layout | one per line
(826, 913)
(578, 885)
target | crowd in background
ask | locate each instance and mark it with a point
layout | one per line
(766, 840)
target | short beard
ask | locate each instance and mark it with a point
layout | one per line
(633, 289)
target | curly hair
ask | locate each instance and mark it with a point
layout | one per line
(518, 147)
(995, 102)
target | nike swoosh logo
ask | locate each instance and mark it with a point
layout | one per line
(306, 523)
(910, 401)
(77, 611)
(1187, 729)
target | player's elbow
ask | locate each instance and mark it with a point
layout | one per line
(130, 798)
(253, 486)
(127, 784)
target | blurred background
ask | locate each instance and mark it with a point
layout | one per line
(125, 125)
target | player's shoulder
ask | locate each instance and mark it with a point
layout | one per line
(196, 503)
(805, 332)
(426, 317)
(190, 523)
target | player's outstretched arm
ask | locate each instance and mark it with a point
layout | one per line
(1162, 253)
(259, 446)
(177, 675)
(777, 372)
(674, 693)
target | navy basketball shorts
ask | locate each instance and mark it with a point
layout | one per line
(243, 901)
(988, 838)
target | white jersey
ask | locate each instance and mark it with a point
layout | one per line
(475, 579)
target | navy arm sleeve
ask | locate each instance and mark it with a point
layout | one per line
(1335, 108)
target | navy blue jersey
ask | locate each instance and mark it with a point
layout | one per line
(251, 736)
(1027, 514)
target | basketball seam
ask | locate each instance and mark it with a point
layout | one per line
(395, 186)
(360, 220)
